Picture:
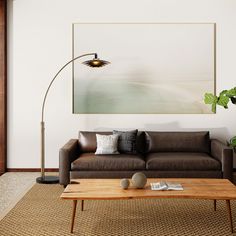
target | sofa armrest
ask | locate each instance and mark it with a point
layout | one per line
(67, 154)
(224, 154)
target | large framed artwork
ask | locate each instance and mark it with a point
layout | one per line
(156, 68)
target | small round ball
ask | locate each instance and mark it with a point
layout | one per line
(124, 183)
(139, 180)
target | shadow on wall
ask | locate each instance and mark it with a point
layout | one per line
(220, 133)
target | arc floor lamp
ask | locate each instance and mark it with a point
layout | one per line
(95, 62)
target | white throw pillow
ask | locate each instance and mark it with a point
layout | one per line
(107, 144)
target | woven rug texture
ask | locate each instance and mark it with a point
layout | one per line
(41, 212)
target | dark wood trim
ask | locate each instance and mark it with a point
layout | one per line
(31, 170)
(3, 85)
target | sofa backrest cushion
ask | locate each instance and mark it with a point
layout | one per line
(127, 141)
(177, 141)
(88, 142)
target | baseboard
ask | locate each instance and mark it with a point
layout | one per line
(32, 170)
(46, 170)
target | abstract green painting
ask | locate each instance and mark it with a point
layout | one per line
(156, 68)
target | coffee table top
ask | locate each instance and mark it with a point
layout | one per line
(85, 189)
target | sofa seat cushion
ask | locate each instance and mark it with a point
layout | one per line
(90, 161)
(180, 161)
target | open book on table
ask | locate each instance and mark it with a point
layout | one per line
(163, 185)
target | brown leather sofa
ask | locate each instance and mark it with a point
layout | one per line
(159, 154)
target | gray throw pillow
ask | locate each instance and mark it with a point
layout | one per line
(107, 144)
(127, 141)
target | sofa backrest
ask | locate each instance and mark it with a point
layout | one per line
(88, 143)
(177, 141)
(87, 140)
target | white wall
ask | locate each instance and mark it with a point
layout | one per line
(40, 42)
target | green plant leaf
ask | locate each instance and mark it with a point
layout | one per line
(224, 97)
(210, 98)
(223, 101)
(231, 92)
(232, 142)
(223, 92)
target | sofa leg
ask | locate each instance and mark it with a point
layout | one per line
(214, 205)
(82, 205)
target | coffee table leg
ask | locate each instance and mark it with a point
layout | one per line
(73, 215)
(82, 205)
(214, 205)
(230, 215)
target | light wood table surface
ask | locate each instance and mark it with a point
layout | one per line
(109, 189)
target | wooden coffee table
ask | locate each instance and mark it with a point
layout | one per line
(109, 189)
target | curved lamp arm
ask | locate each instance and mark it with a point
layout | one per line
(43, 178)
(45, 96)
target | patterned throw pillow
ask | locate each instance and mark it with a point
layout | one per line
(127, 141)
(107, 144)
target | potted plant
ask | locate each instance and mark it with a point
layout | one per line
(232, 143)
(223, 99)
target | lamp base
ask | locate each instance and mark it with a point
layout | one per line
(48, 180)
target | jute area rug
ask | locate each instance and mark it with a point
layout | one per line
(42, 212)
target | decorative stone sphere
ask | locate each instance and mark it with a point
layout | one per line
(139, 180)
(124, 183)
